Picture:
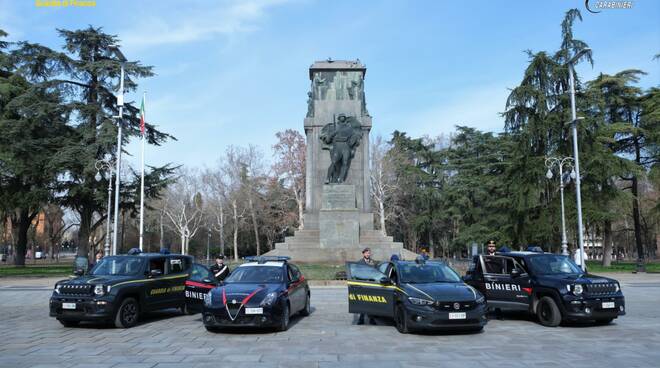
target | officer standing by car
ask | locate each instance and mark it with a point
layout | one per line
(220, 269)
(367, 260)
(491, 248)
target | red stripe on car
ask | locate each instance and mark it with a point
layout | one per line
(247, 298)
(199, 284)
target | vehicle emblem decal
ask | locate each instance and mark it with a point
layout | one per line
(457, 306)
(243, 302)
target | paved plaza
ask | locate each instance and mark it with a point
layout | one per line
(328, 338)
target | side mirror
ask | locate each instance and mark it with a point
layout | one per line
(156, 272)
(79, 272)
(385, 281)
(515, 273)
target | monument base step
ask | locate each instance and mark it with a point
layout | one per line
(340, 255)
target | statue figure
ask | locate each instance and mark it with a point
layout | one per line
(342, 137)
(310, 105)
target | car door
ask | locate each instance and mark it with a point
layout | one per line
(369, 290)
(503, 287)
(177, 273)
(155, 290)
(295, 288)
(198, 285)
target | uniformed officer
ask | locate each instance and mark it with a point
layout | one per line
(367, 260)
(491, 248)
(220, 269)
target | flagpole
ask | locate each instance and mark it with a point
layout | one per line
(144, 96)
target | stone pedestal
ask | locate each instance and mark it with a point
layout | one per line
(339, 219)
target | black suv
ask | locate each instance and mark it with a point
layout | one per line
(551, 286)
(120, 288)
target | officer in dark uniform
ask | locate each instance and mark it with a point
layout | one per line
(367, 260)
(220, 269)
(491, 248)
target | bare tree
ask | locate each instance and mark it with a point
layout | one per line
(290, 166)
(384, 181)
(184, 206)
(216, 189)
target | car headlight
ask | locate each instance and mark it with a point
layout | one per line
(419, 301)
(269, 300)
(617, 287)
(481, 299)
(99, 290)
(57, 288)
(576, 289)
(208, 299)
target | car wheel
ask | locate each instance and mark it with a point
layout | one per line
(68, 323)
(128, 313)
(307, 310)
(284, 320)
(548, 313)
(401, 319)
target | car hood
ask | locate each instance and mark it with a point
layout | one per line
(441, 291)
(96, 280)
(249, 294)
(581, 279)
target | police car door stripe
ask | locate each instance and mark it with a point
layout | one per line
(355, 283)
(148, 280)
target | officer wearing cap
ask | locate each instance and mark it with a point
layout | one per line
(220, 269)
(367, 260)
(491, 248)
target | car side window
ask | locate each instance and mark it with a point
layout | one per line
(295, 271)
(494, 265)
(383, 267)
(176, 265)
(198, 273)
(157, 264)
(363, 272)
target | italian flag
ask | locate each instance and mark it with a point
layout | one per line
(142, 116)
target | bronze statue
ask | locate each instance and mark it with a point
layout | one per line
(342, 137)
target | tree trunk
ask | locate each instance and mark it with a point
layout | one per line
(21, 245)
(607, 243)
(254, 224)
(235, 208)
(636, 221)
(84, 231)
(381, 213)
(183, 243)
(222, 231)
(162, 229)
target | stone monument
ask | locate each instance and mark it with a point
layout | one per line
(338, 219)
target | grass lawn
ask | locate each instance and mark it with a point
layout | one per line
(37, 271)
(596, 266)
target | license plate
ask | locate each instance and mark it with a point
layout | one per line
(68, 305)
(460, 315)
(608, 305)
(254, 311)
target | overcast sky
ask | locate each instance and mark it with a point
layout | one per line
(236, 72)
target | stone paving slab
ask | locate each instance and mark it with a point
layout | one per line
(326, 339)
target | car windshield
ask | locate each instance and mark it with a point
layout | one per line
(118, 266)
(553, 264)
(256, 275)
(414, 273)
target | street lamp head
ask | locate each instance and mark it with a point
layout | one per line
(98, 177)
(573, 174)
(549, 174)
(107, 175)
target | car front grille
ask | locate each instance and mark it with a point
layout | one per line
(452, 306)
(76, 289)
(600, 289)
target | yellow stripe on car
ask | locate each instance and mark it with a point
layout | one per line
(356, 283)
(148, 280)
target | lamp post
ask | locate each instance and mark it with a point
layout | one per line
(208, 246)
(106, 165)
(120, 105)
(550, 162)
(571, 81)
